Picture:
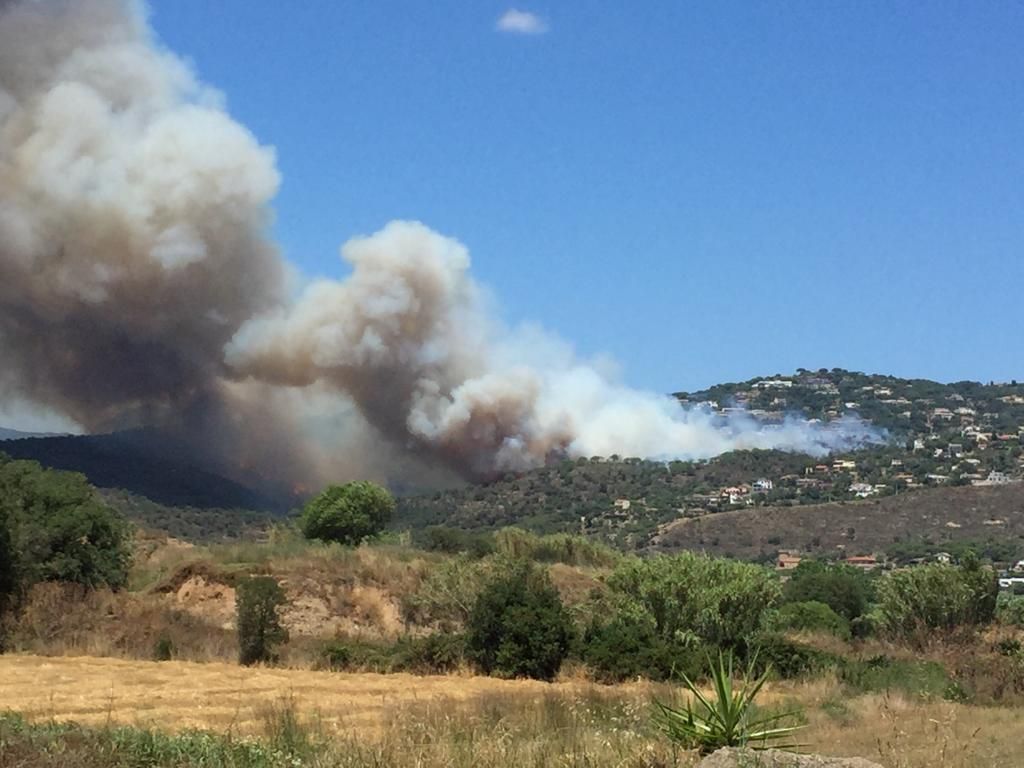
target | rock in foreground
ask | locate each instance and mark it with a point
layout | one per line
(773, 758)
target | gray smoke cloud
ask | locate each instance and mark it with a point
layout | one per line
(133, 213)
(410, 336)
(138, 285)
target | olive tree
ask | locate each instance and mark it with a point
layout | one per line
(349, 513)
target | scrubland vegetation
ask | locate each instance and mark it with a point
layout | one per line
(893, 666)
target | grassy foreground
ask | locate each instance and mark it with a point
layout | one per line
(183, 714)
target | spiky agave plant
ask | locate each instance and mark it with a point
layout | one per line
(727, 719)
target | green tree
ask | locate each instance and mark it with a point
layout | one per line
(844, 589)
(57, 529)
(349, 513)
(258, 602)
(692, 598)
(8, 567)
(518, 626)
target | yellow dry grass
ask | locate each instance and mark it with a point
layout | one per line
(178, 695)
(409, 712)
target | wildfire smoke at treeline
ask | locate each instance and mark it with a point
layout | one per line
(139, 285)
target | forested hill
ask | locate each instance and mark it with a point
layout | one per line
(960, 434)
(582, 494)
(145, 463)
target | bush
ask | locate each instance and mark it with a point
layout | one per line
(811, 616)
(1010, 610)
(844, 589)
(434, 654)
(449, 592)
(692, 599)
(786, 658)
(866, 625)
(518, 626)
(882, 673)
(258, 601)
(348, 514)
(8, 567)
(554, 548)
(53, 527)
(440, 538)
(355, 656)
(624, 650)
(937, 598)
(163, 649)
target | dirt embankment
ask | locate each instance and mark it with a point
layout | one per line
(319, 605)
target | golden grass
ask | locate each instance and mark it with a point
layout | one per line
(408, 712)
(182, 695)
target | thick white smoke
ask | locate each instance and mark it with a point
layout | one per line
(409, 337)
(138, 286)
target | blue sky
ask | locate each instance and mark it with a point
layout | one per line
(706, 191)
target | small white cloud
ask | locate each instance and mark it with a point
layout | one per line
(519, 22)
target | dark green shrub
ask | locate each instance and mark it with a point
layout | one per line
(348, 514)
(811, 616)
(163, 649)
(431, 655)
(8, 567)
(844, 589)
(356, 656)
(518, 626)
(785, 658)
(440, 538)
(866, 625)
(337, 656)
(623, 649)
(258, 601)
(1009, 646)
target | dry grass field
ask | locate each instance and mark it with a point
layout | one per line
(471, 720)
(220, 697)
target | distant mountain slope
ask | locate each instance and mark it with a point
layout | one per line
(939, 435)
(194, 524)
(14, 434)
(873, 526)
(583, 494)
(146, 463)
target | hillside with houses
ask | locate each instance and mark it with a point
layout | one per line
(930, 436)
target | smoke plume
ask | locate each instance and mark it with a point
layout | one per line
(138, 285)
